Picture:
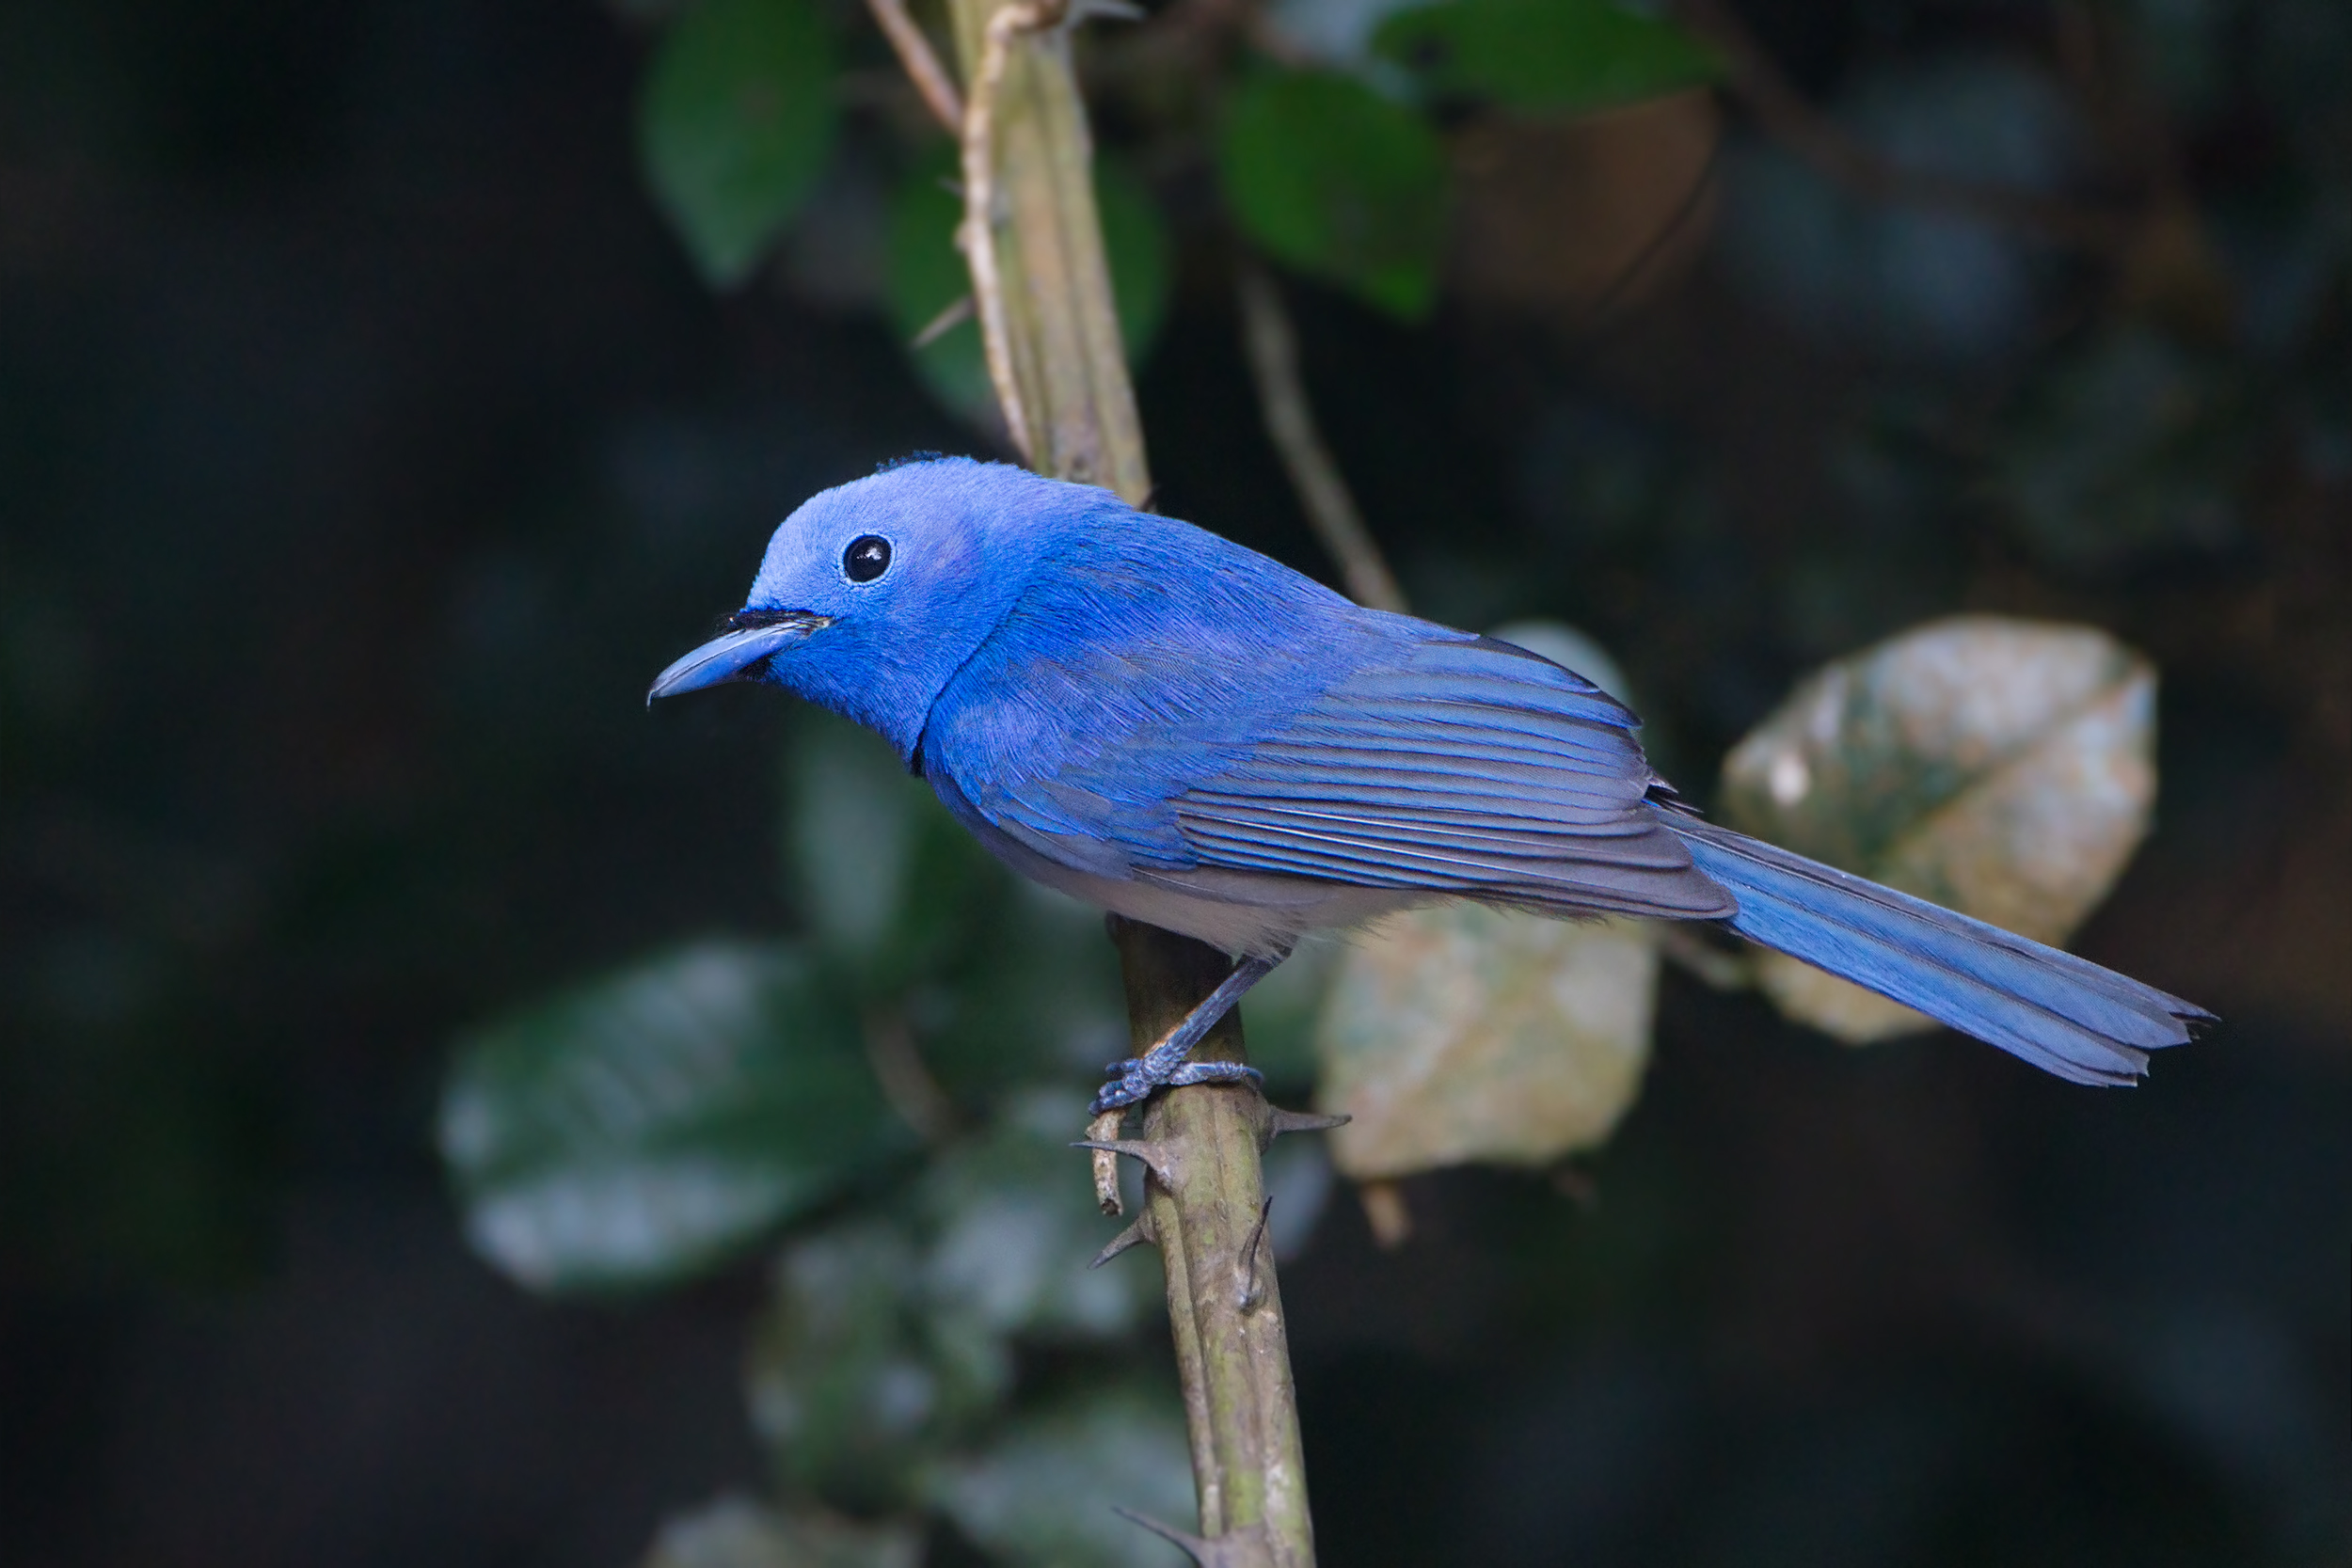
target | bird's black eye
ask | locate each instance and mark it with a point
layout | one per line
(867, 558)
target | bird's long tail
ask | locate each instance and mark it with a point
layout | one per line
(2059, 1012)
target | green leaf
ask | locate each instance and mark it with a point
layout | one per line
(927, 276)
(737, 1532)
(1041, 1493)
(1460, 1033)
(2004, 768)
(1335, 180)
(1032, 996)
(889, 884)
(651, 1125)
(854, 1383)
(1136, 244)
(1544, 54)
(892, 1336)
(1014, 1227)
(733, 125)
(999, 982)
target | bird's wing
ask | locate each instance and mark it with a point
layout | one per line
(1437, 763)
(1471, 768)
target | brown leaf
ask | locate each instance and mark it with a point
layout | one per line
(1561, 216)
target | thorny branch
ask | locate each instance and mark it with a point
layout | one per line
(1075, 419)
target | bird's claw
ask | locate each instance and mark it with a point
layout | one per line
(1135, 1083)
(1164, 1065)
(1214, 1072)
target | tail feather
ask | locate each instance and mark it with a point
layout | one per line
(2063, 1013)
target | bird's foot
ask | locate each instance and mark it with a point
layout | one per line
(1164, 1065)
(1214, 1072)
(1136, 1083)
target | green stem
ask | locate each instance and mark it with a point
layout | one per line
(1207, 1210)
(1041, 289)
(1047, 314)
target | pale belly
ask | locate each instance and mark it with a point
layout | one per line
(1246, 914)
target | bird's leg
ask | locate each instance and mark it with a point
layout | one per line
(1164, 1065)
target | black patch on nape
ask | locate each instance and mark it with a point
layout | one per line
(752, 620)
(889, 462)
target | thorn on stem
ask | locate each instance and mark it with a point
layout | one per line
(1154, 1155)
(1203, 1552)
(1134, 1236)
(1279, 1121)
(1251, 1294)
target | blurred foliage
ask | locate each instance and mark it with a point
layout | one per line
(737, 1532)
(1339, 172)
(651, 1124)
(657, 1124)
(695, 1107)
(1543, 55)
(1909, 279)
(736, 121)
(367, 441)
(1339, 181)
(2128, 449)
(1108, 1443)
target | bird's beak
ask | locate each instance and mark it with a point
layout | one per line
(734, 655)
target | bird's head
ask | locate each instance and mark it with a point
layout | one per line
(874, 592)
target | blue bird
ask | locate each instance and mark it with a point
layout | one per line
(1185, 733)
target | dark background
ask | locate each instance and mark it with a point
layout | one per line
(366, 444)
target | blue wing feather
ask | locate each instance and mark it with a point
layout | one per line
(1241, 718)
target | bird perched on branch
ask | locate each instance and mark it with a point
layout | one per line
(1183, 732)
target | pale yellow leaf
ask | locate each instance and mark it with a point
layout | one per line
(1460, 1033)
